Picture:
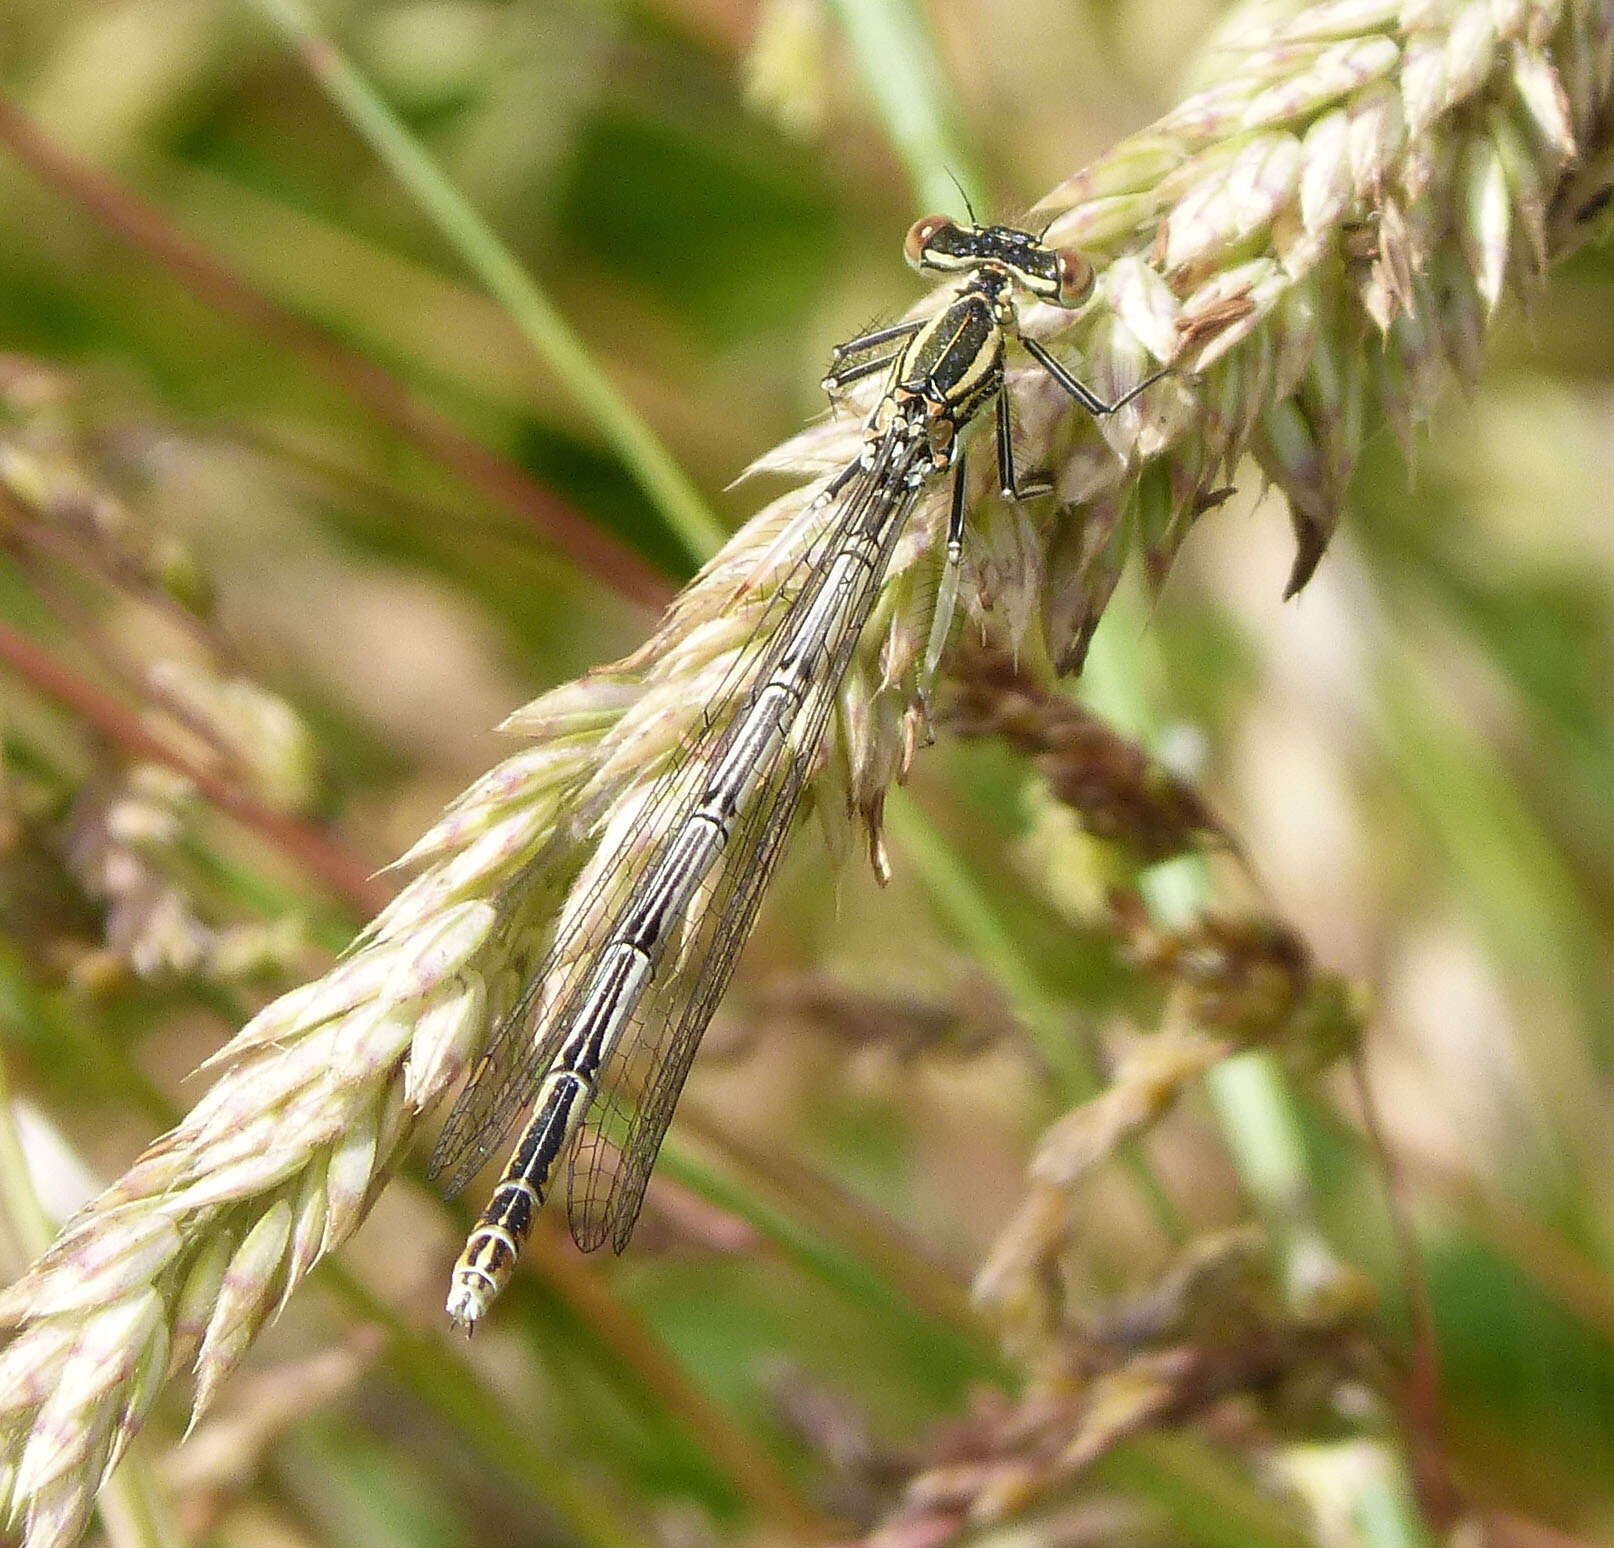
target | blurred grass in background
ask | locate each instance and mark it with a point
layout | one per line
(1418, 753)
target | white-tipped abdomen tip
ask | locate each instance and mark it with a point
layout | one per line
(470, 1295)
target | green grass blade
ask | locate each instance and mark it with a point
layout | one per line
(896, 56)
(650, 463)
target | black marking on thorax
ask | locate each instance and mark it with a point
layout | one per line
(958, 359)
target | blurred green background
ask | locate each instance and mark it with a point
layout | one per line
(1418, 753)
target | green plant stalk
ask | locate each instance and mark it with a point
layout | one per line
(969, 912)
(832, 1264)
(1203, 1500)
(1255, 1109)
(896, 57)
(641, 451)
(25, 1215)
(964, 904)
(1386, 1512)
(131, 1507)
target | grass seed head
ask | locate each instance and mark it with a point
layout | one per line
(1321, 234)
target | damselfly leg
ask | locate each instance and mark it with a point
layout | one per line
(846, 368)
(864, 342)
(1008, 480)
(941, 621)
(838, 381)
(1079, 390)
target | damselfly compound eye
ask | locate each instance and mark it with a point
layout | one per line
(1075, 277)
(921, 234)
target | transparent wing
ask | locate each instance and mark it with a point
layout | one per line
(641, 1084)
(501, 1085)
(528, 1037)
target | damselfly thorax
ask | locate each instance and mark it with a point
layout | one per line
(602, 1037)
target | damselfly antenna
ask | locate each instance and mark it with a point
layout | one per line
(963, 193)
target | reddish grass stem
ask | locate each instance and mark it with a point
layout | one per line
(324, 858)
(611, 563)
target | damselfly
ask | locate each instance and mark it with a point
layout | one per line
(602, 1037)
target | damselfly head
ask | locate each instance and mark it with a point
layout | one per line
(1059, 275)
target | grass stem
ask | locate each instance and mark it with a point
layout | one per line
(529, 308)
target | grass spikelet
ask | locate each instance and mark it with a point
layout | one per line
(1117, 792)
(1215, 1334)
(131, 832)
(1319, 236)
